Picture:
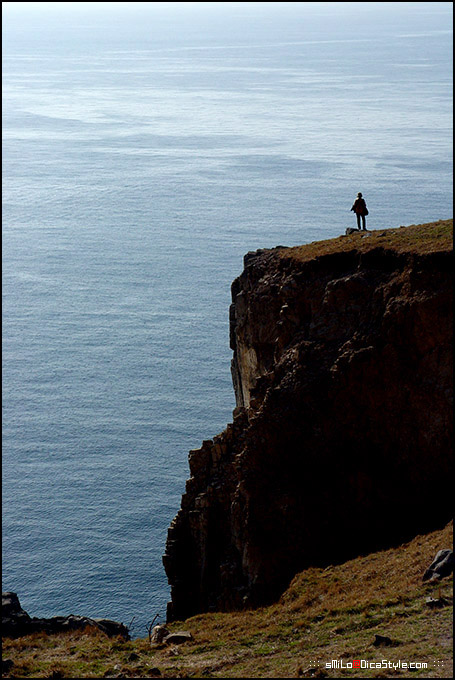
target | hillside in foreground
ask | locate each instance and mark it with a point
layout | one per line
(326, 614)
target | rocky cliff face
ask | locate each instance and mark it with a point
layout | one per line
(341, 440)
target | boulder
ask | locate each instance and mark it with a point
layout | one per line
(158, 634)
(441, 566)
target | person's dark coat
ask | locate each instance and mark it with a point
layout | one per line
(360, 207)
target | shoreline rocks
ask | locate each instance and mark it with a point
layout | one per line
(16, 622)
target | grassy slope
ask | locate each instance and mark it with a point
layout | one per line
(324, 615)
(417, 238)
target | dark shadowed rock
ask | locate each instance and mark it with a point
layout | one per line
(7, 665)
(436, 602)
(16, 622)
(383, 641)
(14, 619)
(112, 628)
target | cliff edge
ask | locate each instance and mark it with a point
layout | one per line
(341, 442)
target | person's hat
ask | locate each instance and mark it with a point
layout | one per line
(359, 194)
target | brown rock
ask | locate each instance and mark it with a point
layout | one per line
(158, 634)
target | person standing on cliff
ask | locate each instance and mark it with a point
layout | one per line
(361, 210)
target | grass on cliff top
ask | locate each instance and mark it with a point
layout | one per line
(416, 238)
(325, 614)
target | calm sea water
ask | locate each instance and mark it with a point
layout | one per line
(145, 151)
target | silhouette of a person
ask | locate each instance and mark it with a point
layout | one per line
(361, 210)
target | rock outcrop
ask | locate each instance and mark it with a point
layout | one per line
(341, 439)
(16, 622)
(441, 567)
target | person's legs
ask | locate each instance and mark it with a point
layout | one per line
(364, 223)
(358, 221)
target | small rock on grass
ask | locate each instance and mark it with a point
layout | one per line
(382, 641)
(436, 603)
(178, 637)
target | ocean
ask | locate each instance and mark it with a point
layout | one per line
(146, 148)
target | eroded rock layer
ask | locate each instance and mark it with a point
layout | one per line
(341, 440)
